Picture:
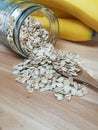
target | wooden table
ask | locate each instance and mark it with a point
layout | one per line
(41, 111)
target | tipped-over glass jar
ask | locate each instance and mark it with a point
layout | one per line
(26, 25)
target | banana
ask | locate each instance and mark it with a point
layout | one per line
(74, 30)
(70, 29)
(85, 10)
(61, 14)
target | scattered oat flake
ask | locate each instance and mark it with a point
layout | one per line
(39, 71)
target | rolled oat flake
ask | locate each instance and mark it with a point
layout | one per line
(38, 73)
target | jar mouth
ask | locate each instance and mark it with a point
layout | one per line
(47, 14)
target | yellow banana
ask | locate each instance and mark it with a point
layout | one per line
(61, 14)
(70, 29)
(85, 10)
(74, 30)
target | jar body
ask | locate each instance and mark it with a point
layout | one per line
(16, 14)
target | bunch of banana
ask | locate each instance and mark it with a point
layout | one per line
(77, 18)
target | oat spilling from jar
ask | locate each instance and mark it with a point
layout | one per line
(38, 73)
(32, 34)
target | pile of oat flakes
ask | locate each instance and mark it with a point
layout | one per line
(32, 34)
(38, 72)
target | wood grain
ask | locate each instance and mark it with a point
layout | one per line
(41, 111)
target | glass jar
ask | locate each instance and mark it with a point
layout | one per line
(20, 11)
